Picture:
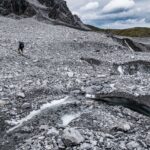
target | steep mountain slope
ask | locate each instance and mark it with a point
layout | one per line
(55, 11)
(52, 97)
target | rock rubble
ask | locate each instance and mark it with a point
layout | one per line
(53, 68)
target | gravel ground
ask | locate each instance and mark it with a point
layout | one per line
(44, 94)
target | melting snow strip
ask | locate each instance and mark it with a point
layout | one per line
(129, 46)
(92, 96)
(34, 113)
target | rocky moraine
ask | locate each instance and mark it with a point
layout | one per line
(72, 89)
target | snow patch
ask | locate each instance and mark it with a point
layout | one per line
(11, 122)
(36, 3)
(120, 69)
(34, 113)
(90, 96)
(70, 74)
(66, 119)
(113, 86)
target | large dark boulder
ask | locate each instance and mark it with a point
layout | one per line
(17, 7)
(52, 10)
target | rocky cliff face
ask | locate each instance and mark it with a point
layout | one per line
(52, 10)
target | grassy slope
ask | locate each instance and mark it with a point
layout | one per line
(131, 32)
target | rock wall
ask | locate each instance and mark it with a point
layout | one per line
(55, 10)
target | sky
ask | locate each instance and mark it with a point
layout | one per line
(116, 14)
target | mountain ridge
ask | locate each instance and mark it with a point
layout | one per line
(54, 11)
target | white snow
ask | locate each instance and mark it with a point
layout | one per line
(11, 122)
(90, 96)
(120, 69)
(113, 86)
(101, 75)
(70, 74)
(129, 46)
(66, 119)
(34, 113)
(36, 3)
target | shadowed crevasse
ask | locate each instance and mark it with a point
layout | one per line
(133, 67)
(140, 104)
(132, 45)
(129, 103)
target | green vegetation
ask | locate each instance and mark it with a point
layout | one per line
(131, 32)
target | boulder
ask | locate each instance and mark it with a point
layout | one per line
(26, 106)
(72, 137)
(125, 127)
(20, 95)
(133, 145)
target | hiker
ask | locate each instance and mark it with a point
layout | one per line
(21, 47)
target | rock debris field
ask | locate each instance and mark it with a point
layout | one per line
(71, 90)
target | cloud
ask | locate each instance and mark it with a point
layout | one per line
(113, 13)
(130, 23)
(115, 6)
(90, 6)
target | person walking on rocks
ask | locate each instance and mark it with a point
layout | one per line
(21, 47)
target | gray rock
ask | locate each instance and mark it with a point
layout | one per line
(126, 127)
(92, 90)
(75, 40)
(148, 139)
(89, 90)
(123, 127)
(25, 130)
(41, 137)
(109, 144)
(93, 142)
(60, 144)
(1, 89)
(76, 92)
(2, 103)
(11, 86)
(44, 127)
(132, 145)
(53, 131)
(38, 82)
(85, 146)
(72, 137)
(122, 145)
(108, 136)
(26, 106)
(20, 95)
